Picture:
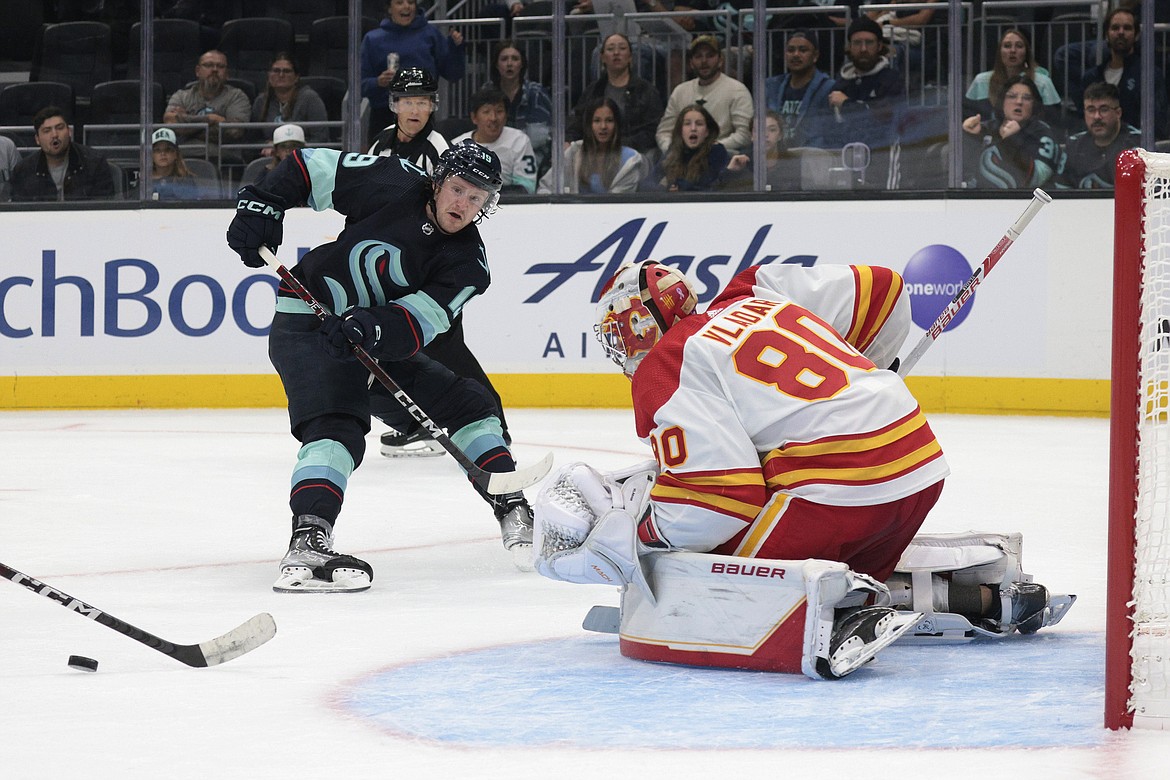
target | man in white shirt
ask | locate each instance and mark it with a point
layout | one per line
(724, 97)
(489, 114)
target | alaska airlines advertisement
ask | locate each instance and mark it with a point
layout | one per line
(159, 292)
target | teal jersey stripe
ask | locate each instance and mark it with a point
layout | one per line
(479, 437)
(293, 306)
(322, 167)
(460, 299)
(431, 317)
(326, 459)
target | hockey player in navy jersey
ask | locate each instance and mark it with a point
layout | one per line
(409, 259)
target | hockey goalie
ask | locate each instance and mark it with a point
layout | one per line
(776, 527)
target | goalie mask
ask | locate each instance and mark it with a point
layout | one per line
(477, 165)
(638, 305)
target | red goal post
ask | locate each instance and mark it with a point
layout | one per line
(1137, 641)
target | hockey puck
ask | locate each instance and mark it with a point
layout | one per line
(82, 664)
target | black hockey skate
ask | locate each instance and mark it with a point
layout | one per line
(312, 566)
(858, 635)
(1029, 602)
(415, 443)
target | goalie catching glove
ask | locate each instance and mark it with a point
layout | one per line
(586, 525)
(259, 221)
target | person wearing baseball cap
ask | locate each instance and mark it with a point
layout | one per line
(727, 100)
(865, 99)
(170, 179)
(285, 139)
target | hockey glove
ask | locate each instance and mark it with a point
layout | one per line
(355, 326)
(258, 222)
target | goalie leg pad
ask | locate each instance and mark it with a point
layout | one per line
(746, 613)
(933, 561)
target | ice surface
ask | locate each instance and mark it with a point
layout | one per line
(455, 664)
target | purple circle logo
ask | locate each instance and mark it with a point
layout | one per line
(934, 275)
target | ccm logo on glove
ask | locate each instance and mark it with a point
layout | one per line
(263, 209)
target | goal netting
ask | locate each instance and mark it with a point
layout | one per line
(1137, 687)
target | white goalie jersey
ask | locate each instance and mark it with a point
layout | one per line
(760, 396)
(867, 305)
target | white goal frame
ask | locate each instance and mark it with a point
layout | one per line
(1137, 645)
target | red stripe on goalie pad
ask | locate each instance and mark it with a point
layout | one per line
(780, 651)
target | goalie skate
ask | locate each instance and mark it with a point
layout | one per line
(416, 443)
(859, 635)
(312, 566)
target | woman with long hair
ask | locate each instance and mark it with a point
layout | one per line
(694, 161)
(529, 103)
(599, 163)
(170, 179)
(1016, 150)
(286, 101)
(1013, 57)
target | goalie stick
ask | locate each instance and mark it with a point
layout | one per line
(1040, 198)
(244, 638)
(496, 483)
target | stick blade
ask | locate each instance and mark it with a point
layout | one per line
(603, 620)
(244, 638)
(500, 483)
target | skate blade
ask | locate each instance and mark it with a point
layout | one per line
(523, 557)
(301, 580)
(1058, 607)
(851, 656)
(418, 449)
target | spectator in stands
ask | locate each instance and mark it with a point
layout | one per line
(414, 96)
(529, 103)
(1014, 57)
(210, 101)
(781, 167)
(1090, 155)
(801, 95)
(694, 160)
(286, 100)
(61, 170)
(1122, 67)
(489, 114)
(1017, 151)
(170, 178)
(637, 99)
(721, 96)
(285, 140)
(9, 157)
(600, 163)
(405, 39)
(866, 98)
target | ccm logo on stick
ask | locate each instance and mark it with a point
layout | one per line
(743, 570)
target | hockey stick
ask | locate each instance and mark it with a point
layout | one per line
(494, 482)
(242, 639)
(1039, 199)
(603, 620)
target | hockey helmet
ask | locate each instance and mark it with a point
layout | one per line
(413, 81)
(636, 307)
(476, 164)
